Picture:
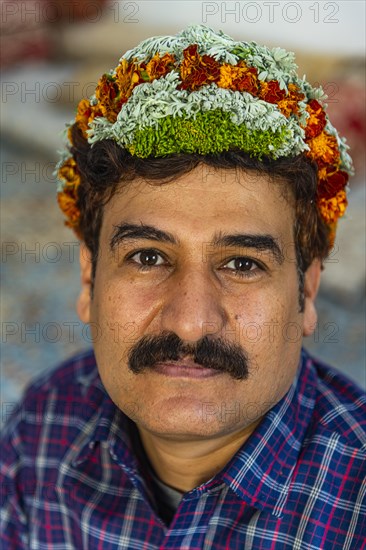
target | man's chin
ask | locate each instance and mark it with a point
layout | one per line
(185, 417)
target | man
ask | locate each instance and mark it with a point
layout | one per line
(205, 181)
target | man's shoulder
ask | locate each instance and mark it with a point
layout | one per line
(78, 370)
(61, 389)
(340, 405)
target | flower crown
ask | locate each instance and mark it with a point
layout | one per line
(200, 91)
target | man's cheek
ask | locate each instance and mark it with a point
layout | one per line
(122, 333)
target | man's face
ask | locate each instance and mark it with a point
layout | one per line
(168, 270)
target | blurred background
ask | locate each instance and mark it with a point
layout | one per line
(52, 55)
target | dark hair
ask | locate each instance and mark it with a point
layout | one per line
(105, 166)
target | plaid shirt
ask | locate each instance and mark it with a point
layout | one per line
(71, 480)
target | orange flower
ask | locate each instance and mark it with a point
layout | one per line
(69, 173)
(324, 149)
(239, 77)
(196, 70)
(316, 122)
(85, 114)
(82, 114)
(67, 203)
(128, 75)
(271, 92)
(334, 208)
(107, 94)
(290, 104)
(160, 66)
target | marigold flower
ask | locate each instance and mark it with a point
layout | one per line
(239, 77)
(290, 104)
(67, 202)
(271, 92)
(128, 75)
(85, 114)
(324, 149)
(69, 173)
(333, 208)
(316, 122)
(197, 70)
(159, 66)
(107, 93)
(82, 114)
(331, 181)
(205, 125)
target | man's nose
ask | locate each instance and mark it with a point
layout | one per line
(192, 306)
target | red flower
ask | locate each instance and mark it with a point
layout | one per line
(316, 122)
(331, 181)
(197, 70)
(271, 92)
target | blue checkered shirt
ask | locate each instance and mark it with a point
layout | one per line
(70, 479)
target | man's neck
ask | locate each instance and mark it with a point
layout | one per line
(184, 465)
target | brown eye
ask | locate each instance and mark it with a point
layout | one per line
(147, 258)
(242, 264)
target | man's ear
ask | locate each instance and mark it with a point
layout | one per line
(311, 286)
(84, 300)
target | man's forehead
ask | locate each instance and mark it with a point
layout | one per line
(203, 209)
(229, 177)
(205, 196)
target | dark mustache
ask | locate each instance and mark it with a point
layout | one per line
(211, 353)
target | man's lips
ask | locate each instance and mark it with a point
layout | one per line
(186, 369)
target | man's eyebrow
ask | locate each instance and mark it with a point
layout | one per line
(262, 243)
(131, 231)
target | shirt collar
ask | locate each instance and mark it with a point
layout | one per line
(260, 472)
(102, 421)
